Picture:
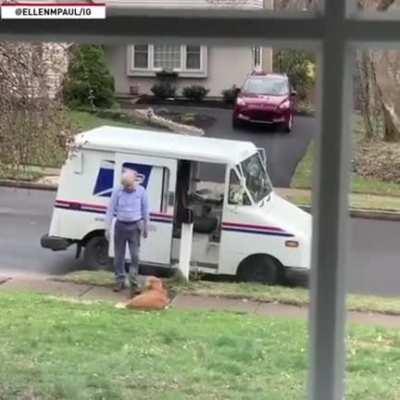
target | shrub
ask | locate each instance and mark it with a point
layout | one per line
(195, 92)
(88, 82)
(299, 66)
(230, 95)
(164, 90)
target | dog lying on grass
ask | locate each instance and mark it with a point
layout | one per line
(154, 297)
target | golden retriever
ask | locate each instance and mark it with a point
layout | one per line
(154, 297)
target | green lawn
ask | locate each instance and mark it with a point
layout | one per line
(250, 291)
(53, 349)
(28, 174)
(302, 179)
(358, 201)
(84, 121)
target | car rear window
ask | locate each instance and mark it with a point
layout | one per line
(271, 87)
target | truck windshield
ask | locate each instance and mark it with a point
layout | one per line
(257, 180)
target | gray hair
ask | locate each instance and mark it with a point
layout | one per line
(128, 178)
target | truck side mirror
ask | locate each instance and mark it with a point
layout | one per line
(187, 216)
(171, 199)
(77, 162)
(263, 155)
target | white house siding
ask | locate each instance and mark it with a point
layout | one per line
(226, 66)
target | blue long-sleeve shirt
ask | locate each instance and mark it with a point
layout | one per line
(128, 206)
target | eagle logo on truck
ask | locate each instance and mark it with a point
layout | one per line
(105, 177)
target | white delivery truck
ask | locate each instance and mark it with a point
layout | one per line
(241, 227)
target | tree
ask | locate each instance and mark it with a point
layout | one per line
(33, 124)
(89, 82)
(378, 90)
(297, 65)
(369, 94)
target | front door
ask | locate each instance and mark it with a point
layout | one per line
(158, 176)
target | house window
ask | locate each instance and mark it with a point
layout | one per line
(167, 57)
(193, 57)
(187, 61)
(141, 56)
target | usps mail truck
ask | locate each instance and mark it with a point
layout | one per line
(241, 226)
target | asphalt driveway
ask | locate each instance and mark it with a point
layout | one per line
(284, 150)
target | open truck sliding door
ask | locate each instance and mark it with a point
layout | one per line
(158, 176)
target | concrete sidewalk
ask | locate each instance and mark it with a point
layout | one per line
(45, 285)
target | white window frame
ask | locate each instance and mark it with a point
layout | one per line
(334, 31)
(258, 49)
(133, 60)
(182, 71)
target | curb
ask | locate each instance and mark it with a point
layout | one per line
(212, 104)
(28, 185)
(367, 214)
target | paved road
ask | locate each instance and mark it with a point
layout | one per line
(25, 216)
(283, 150)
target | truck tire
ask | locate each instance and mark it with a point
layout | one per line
(96, 254)
(260, 269)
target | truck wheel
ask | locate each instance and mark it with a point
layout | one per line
(96, 253)
(261, 269)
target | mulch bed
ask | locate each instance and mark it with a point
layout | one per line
(197, 119)
(378, 160)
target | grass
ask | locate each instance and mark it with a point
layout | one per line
(358, 201)
(302, 179)
(268, 294)
(84, 121)
(28, 174)
(52, 349)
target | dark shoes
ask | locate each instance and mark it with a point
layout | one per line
(119, 287)
(134, 291)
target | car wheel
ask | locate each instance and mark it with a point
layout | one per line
(236, 123)
(260, 269)
(96, 254)
(288, 126)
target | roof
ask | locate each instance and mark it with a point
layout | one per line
(165, 144)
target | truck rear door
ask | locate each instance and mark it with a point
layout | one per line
(158, 176)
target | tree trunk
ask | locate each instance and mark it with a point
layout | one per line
(391, 133)
(373, 75)
(364, 95)
(387, 65)
(370, 96)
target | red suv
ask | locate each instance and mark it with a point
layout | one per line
(265, 99)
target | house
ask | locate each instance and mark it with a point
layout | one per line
(136, 67)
